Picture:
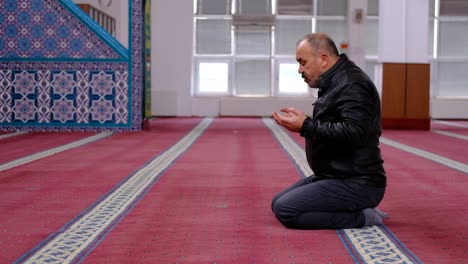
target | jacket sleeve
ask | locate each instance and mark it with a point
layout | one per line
(352, 118)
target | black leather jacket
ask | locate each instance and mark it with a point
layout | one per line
(342, 137)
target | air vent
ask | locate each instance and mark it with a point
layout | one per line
(253, 20)
(454, 8)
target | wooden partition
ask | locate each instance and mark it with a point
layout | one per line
(405, 96)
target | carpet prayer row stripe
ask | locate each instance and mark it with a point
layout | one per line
(17, 133)
(453, 124)
(450, 134)
(295, 152)
(50, 152)
(79, 236)
(368, 245)
(427, 155)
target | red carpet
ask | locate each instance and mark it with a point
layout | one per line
(213, 206)
(37, 199)
(449, 147)
(31, 143)
(427, 207)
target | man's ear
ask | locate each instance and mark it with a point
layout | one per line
(325, 59)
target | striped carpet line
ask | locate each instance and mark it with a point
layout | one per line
(365, 245)
(76, 239)
(52, 151)
(427, 155)
(453, 124)
(450, 134)
(294, 151)
(17, 133)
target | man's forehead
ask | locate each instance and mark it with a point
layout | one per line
(302, 52)
(301, 57)
(304, 47)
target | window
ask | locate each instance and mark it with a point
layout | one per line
(247, 47)
(213, 36)
(332, 7)
(253, 41)
(372, 7)
(453, 36)
(297, 7)
(213, 7)
(372, 36)
(252, 77)
(452, 79)
(287, 32)
(253, 6)
(290, 82)
(213, 77)
(448, 33)
(335, 28)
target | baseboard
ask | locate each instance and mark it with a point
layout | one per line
(406, 123)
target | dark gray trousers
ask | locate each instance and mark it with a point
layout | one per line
(325, 204)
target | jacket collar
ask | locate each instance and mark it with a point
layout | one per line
(325, 80)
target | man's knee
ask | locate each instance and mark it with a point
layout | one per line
(273, 202)
(284, 213)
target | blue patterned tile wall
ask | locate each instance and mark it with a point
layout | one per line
(59, 70)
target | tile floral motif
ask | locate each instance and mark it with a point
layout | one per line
(63, 110)
(102, 84)
(63, 83)
(44, 29)
(47, 96)
(24, 83)
(102, 110)
(24, 110)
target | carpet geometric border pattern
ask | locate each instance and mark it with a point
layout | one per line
(61, 71)
(365, 245)
(78, 237)
(375, 245)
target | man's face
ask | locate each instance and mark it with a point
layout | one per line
(310, 64)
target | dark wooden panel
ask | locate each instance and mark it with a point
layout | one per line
(393, 90)
(417, 91)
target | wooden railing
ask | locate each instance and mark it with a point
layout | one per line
(103, 19)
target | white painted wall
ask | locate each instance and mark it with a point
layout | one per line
(417, 31)
(357, 32)
(403, 31)
(171, 57)
(449, 108)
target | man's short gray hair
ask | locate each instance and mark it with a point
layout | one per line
(320, 41)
